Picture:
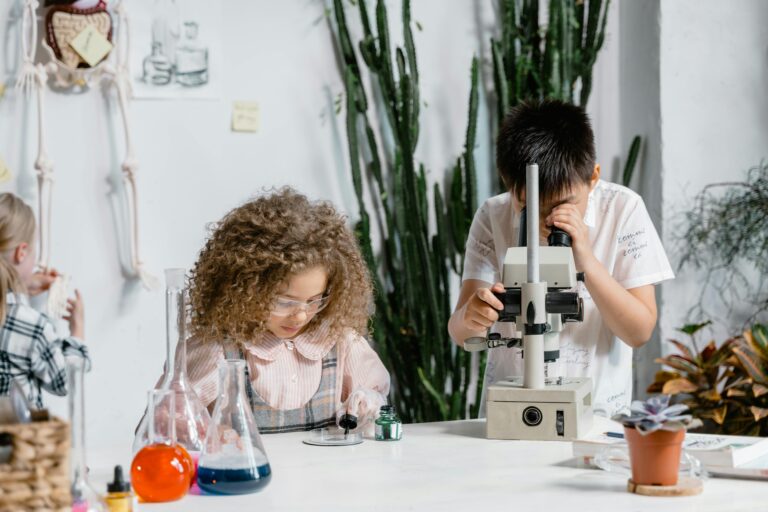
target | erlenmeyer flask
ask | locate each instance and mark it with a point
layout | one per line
(162, 470)
(84, 496)
(233, 459)
(191, 416)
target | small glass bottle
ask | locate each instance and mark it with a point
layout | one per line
(157, 67)
(191, 417)
(84, 496)
(119, 496)
(388, 425)
(162, 470)
(233, 460)
(191, 58)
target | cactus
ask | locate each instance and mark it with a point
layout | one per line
(414, 271)
(629, 167)
(536, 62)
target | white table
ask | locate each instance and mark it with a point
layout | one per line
(448, 466)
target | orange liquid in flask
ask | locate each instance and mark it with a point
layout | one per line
(162, 472)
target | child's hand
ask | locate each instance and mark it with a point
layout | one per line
(76, 315)
(362, 403)
(39, 282)
(568, 218)
(482, 309)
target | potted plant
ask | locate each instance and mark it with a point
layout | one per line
(725, 386)
(654, 432)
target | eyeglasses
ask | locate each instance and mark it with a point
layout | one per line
(288, 307)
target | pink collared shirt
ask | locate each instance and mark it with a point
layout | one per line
(286, 373)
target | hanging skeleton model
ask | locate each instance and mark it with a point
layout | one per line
(68, 69)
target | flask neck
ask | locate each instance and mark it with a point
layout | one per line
(76, 401)
(176, 336)
(232, 380)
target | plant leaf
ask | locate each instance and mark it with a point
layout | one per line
(722, 353)
(711, 394)
(759, 389)
(439, 398)
(681, 385)
(759, 412)
(680, 363)
(716, 415)
(708, 351)
(691, 329)
(660, 379)
(758, 340)
(733, 392)
(750, 362)
(683, 348)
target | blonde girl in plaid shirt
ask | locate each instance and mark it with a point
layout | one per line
(30, 351)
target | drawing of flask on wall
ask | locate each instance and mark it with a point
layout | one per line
(191, 58)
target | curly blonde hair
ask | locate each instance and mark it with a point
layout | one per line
(256, 248)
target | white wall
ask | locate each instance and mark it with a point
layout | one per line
(193, 169)
(714, 122)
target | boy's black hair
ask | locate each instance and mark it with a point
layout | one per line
(553, 134)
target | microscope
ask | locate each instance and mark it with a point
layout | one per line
(536, 280)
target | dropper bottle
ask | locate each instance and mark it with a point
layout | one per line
(119, 496)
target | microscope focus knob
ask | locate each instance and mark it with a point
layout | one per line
(575, 317)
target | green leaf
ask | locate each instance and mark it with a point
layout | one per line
(692, 329)
(439, 397)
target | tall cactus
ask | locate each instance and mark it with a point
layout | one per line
(414, 272)
(531, 61)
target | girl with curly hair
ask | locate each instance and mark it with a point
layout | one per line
(281, 283)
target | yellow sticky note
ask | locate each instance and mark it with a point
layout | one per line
(91, 45)
(5, 172)
(245, 116)
(2, 90)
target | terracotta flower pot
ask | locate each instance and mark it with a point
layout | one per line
(655, 458)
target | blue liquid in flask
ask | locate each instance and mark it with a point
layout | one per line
(233, 480)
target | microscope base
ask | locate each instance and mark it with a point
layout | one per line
(561, 411)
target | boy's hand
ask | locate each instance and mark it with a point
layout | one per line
(76, 316)
(568, 218)
(482, 309)
(41, 281)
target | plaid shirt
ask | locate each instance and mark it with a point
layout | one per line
(32, 354)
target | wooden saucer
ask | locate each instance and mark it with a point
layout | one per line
(686, 486)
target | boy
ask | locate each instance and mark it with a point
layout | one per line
(613, 241)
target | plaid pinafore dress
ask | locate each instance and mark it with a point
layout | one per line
(318, 412)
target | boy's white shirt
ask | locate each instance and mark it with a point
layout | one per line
(624, 240)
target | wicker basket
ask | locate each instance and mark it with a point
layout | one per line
(37, 478)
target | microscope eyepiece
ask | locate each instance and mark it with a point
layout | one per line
(558, 238)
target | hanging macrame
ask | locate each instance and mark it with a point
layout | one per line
(68, 27)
